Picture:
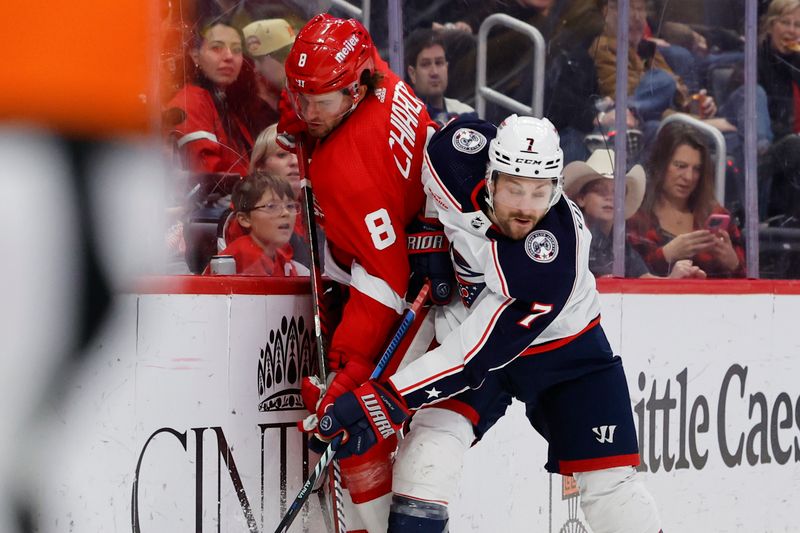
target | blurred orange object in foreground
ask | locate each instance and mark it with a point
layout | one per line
(80, 67)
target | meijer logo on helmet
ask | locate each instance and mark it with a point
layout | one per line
(349, 46)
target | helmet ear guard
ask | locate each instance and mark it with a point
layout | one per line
(527, 147)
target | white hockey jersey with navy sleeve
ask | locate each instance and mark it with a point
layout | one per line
(524, 297)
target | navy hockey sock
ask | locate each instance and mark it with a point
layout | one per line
(417, 516)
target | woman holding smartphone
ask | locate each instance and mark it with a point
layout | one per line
(679, 217)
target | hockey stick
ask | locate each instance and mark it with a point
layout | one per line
(327, 456)
(316, 269)
(316, 302)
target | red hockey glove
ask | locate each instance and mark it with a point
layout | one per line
(311, 390)
(354, 373)
(316, 397)
(429, 258)
(289, 124)
(365, 417)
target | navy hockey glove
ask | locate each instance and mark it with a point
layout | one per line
(370, 414)
(429, 258)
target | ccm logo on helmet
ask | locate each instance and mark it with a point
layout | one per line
(378, 418)
(349, 46)
(527, 161)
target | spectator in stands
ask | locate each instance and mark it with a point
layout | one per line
(779, 74)
(269, 157)
(656, 91)
(688, 52)
(266, 209)
(206, 126)
(571, 97)
(654, 88)
(779, 65)
(426, 66)
(591, 186)
(462, 16)
(652, 85)
(268, 42)
(678, 207)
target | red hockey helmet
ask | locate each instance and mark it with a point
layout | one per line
(329, 54)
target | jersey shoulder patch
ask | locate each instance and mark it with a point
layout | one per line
(458, 154)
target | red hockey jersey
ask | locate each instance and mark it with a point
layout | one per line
(366, 179)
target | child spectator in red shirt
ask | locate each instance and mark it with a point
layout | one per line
(266, 209)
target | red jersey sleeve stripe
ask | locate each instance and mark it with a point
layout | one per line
(587, 465)
(435, 377)
(462, 408)
(548, 346)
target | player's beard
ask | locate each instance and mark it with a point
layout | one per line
(516, 224)
(323, 129)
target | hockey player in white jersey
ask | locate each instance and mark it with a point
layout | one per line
(528, 327)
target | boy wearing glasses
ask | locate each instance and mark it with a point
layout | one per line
(266, 209)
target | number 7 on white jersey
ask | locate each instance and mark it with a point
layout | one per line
(537, 310)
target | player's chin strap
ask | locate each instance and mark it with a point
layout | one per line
(490, 180)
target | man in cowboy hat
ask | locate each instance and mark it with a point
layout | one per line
(591, 186)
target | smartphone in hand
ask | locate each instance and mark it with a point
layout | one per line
(717, 222)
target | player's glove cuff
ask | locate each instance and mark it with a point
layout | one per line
(351, 376)
(365, 417)
(429, 258)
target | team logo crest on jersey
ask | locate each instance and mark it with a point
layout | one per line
(476, 222)
(380, 93)
(468, 141)
(541, 246)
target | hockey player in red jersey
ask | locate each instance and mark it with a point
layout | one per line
(527, 327)
(368, 133)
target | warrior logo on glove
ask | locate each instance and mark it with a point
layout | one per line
(378, 418)
(370, 414)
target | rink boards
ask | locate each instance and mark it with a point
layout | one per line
(183, 416)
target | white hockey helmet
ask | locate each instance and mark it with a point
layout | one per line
(528, 147)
